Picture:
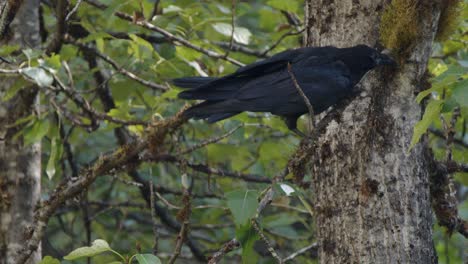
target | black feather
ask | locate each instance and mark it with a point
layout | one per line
(325, 74)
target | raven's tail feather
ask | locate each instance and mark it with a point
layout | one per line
(192, 82)
(212, 111)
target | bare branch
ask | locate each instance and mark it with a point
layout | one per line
(73, 11)
(184, 216)
(290, 33)
(8, 11)
(312, 247)
(266, 241)
(153, 218)
(209, 170)
(209, 141)
(303, 95)
(239, 48)
(226, 248)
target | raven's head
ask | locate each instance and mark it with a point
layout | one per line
(361, 59)
(382, 59)
(370, 57)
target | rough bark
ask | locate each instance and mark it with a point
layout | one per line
(20, 165)
(371, 193)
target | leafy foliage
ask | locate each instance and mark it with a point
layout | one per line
(447, 95)
(90, 103)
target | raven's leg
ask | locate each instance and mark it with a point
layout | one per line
(291, 123)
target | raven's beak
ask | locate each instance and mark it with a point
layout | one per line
(384, 59)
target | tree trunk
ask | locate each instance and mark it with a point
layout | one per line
(20, 165)
(371, 193)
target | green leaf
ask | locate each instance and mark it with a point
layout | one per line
(14, 89)
(432, 113)
(188, 54)
(121, 112)
(38, 75)
(53, 62)
(96, 36)
(171, 8)
(99, 246)
(141, 42)
(243, 205)
(8, 49)
(32, 54)
(290, 6)
(35, 133)
(460, 92)
(147, 259)
(50, 170)
(241, 35)
(49, 260)
(247, 236)
(444, 80)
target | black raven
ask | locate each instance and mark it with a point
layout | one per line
(325, 74)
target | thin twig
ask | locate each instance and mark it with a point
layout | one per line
(290, 33)
(75, 8)
(127, 182)
(303, 95)
(440, 134)
(185, 216)
(233, 22)
(313, 246)
(266, 241)
(209, 141)
(207, 169)
(226, 248)
(239, 48)
(10, 71)
(166, 202)
(153, 218)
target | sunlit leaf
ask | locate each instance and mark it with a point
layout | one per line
(49, 260)
(147, 259)
(38, 75)
(99, 246)
(431, 113)
(290, 6)
(241, 35)
(36, 132)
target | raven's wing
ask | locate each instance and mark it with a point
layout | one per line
(324, 85)
(227, 86)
